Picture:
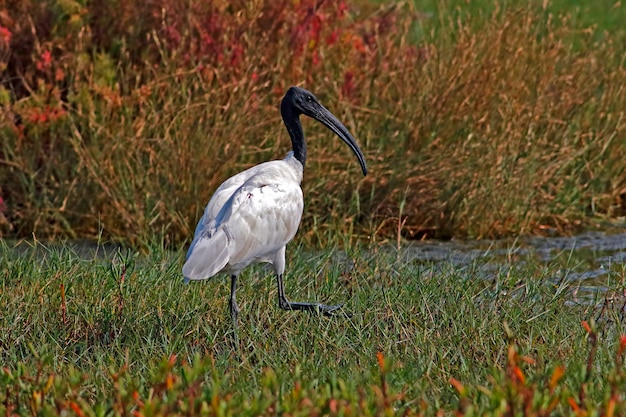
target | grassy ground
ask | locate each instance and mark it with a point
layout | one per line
(95, 335)
(604, 14)
(119, 120)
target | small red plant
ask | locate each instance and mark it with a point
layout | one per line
(5, 36)
(45, 60)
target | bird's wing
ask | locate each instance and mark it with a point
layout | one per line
(208, 252)
(262, 219)
(256, 221)
(206, 224)
(261, 204)
(224, 193)
(229, 187)
(207, 256)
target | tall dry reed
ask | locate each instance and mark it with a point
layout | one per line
(122, 119)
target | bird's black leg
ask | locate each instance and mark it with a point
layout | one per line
(313, 307)
(234, 308)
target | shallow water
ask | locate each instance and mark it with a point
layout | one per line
(85, 249)
(589, 264)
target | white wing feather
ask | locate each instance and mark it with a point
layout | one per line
(207, 256)
(250, 217)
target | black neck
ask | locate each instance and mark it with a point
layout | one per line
(292, 122)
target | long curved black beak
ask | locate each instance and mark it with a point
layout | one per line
(325, 117)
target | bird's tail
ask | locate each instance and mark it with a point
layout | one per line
(207, 256)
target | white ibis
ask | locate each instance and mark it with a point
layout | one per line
(254, 214)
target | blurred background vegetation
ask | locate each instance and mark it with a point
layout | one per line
(118, 119)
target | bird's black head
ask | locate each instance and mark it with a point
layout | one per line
(302, 102)
(299, 101)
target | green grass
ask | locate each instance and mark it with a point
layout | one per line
(604, 14)
(430, 322)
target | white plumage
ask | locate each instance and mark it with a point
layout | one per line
(250, 218)
(254, 214)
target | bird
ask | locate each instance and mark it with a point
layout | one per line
(254, 214)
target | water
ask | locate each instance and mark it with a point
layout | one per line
(589, 264)
(85, 249)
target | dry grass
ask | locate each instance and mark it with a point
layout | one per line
(493, 126)
(510, 130)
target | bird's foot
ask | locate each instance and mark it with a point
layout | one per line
(312, 307)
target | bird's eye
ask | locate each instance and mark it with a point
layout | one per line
(309, 98)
